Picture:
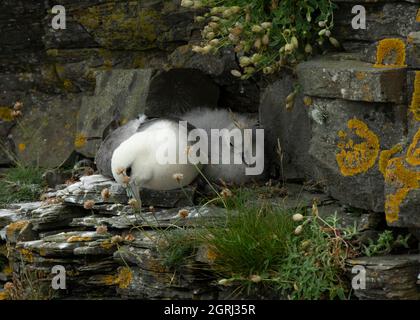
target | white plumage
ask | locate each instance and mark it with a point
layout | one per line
(208, 119)
(137, 158)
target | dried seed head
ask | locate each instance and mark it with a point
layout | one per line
(236, 73)
(183, 213)
(266, 40)
(116, 239)
(187, 3)
(245, 61)
(88, 204)
(134, 203)
(178, 177)
(102, 229)
(105, 194)
(199, 19)
(298, 230)
(297, 217)
(129, 237)
(214, 42)
(224, 282)
(9, 286)
(255, 278)
(226, 193)
(257, 29)
(266, 25)
(18, 105)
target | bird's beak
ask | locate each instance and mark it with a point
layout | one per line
(134, 190)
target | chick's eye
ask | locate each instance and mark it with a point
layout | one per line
(128, 171)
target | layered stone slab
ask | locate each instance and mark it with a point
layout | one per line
(352, 80)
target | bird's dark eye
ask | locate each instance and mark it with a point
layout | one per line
(128, 171)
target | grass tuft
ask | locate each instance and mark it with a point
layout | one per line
(20, 184)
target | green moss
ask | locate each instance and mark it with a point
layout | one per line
(115, 24)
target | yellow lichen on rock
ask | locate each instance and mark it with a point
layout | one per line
(80, 140)
(355, 158)
(6, 114)
(115, 24)
(413, 152)
(390, 53)
(404, 180)
(125, 276)
(122, 279)
(418, 16)
(27, 255)
(15, 227)
(79, 239)
(4, 295)
(415, 100)
(386, 155)
(21, 147)
(393, 203)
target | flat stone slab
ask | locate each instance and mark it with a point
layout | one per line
(388, 277)
(91, 187)
(352, 80)
(127, 218)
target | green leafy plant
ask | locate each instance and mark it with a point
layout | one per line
(259, 245)
(385, 244)
(266, 34)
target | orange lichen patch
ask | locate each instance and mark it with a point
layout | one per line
(4, 295)
(79, 239)
(108, 280)
(80, 140)
(67, 84)
(211, 255)
(42, 252)
(307, 101)
(125, 276)
(386, 155)
(15, 227)
(7, 270)
(21, 147)
(107, 244)
(405, 180)
(390, 53)
(415, 100)
(360, 75)
(355, 158)
(398, 175)
(6, 114)
(27, 255)
(418, 16)
(122, 279)
(392, 204)
(413, 152)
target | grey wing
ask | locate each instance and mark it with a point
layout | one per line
(112, 141)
